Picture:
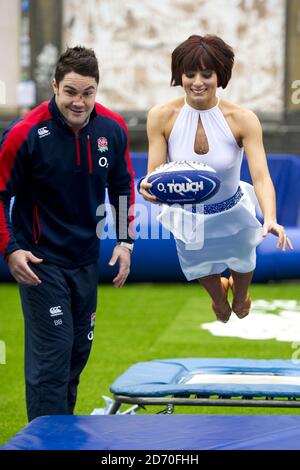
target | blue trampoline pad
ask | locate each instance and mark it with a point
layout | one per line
(210, 376)
(158, 432)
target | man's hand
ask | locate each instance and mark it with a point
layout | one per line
(18, 266)
(121, 254)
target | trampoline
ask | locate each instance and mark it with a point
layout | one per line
(209, 382)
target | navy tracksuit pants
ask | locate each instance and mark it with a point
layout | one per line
(59, 319)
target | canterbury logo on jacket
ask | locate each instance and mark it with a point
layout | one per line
(58, 179)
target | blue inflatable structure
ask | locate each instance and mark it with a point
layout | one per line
(154, 257)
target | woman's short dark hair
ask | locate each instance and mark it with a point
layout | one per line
(202, 53)
(77, 59)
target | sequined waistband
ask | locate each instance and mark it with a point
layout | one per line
(224, 205)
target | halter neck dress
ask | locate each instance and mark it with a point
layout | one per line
(230, 236)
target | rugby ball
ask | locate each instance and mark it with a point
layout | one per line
(183, 182)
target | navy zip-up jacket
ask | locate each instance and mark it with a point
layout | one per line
(58, 179)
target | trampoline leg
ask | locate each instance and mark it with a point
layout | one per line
(116, 405)
(133, 409)
(168, 411)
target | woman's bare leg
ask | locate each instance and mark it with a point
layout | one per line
(217, 288)
(241, 302)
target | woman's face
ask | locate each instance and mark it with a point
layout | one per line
(200, 86)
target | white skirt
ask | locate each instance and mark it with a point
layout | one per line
(229, 240)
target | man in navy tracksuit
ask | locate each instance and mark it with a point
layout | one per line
(57, 161)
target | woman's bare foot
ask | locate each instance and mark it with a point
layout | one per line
(241, 307)
(223, 310)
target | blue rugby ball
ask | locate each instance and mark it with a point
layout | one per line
(183, 182)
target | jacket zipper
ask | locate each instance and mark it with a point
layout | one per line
(77, 149)
(89, 151)
(36, 225)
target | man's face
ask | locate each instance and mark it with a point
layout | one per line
(75, 97)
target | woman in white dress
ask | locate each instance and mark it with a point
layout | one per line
(199, 126)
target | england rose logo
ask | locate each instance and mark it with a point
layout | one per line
(102, 144)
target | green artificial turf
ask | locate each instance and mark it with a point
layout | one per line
(140, 322)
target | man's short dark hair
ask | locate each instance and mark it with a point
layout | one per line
(77, 59)
(202, 53)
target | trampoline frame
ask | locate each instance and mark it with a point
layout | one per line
(170, 402)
